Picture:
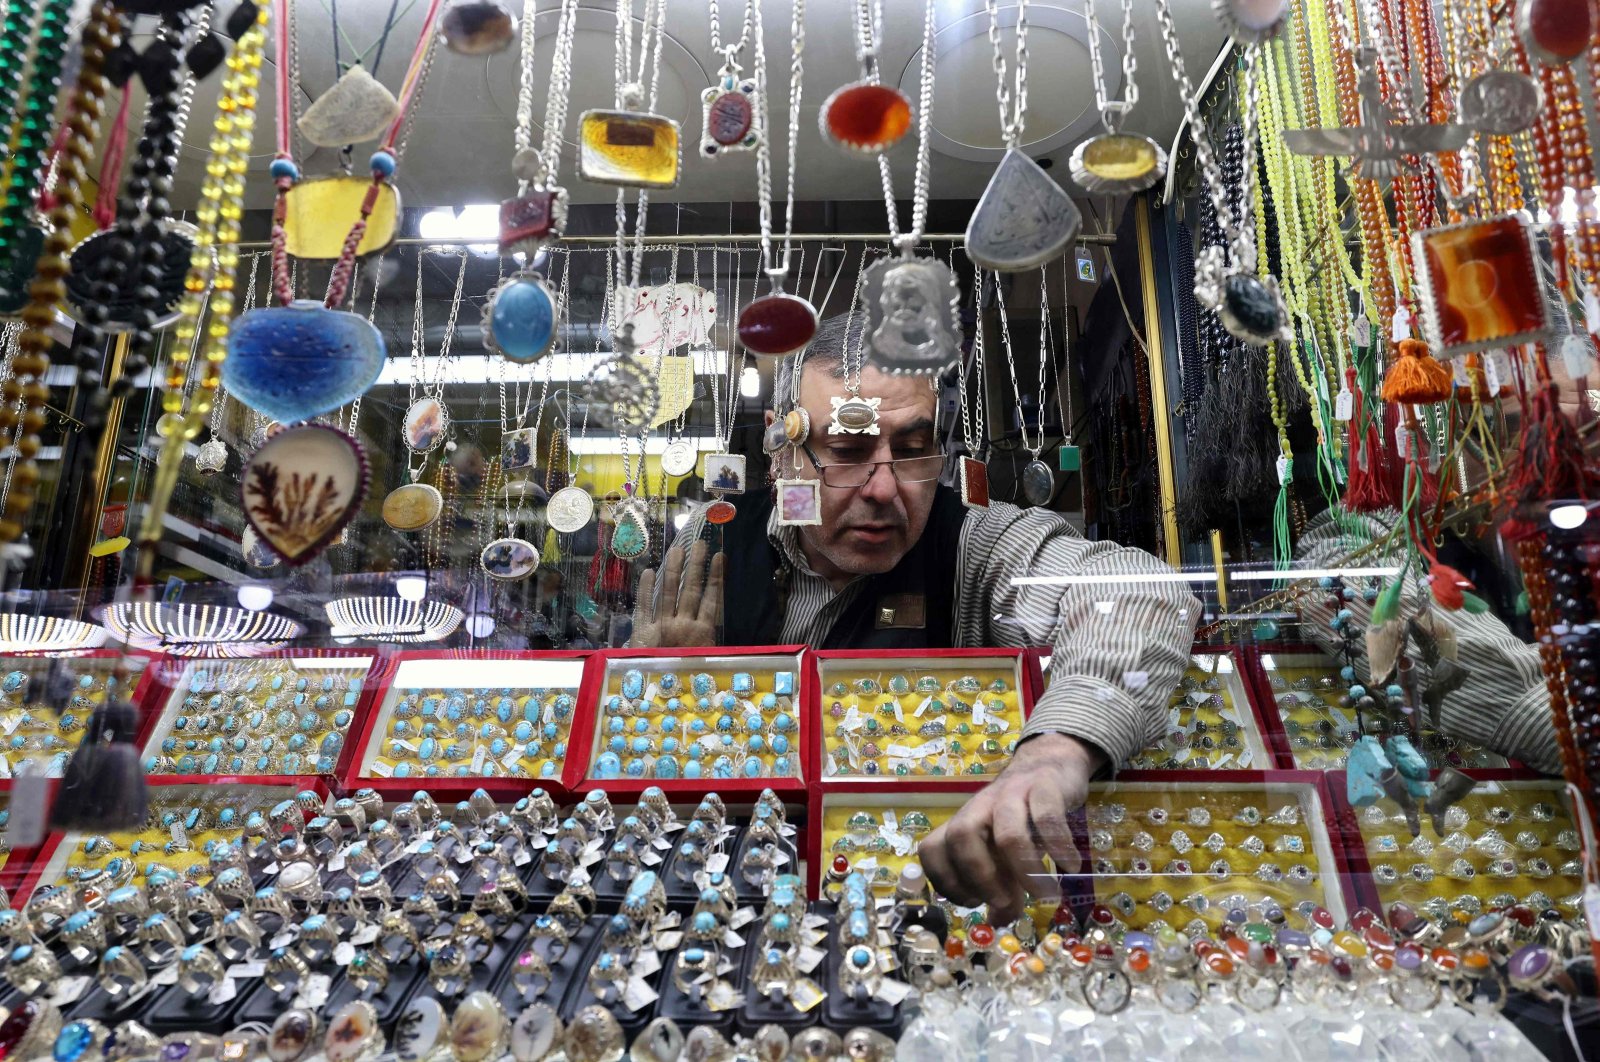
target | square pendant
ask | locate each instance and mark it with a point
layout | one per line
(724, 473)
(1069, 458)
(728, 117)
(517, 449)
(799, 502)
(1480, 285)
(529, 220)
(974, 483)
(628, 148)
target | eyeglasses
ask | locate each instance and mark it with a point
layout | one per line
(860, 473)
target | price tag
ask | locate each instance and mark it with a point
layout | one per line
(812, 921)
(1344, 405)
(805, 994)
(253, 968)
(1361, 331)
(336, 864)
(282, 940)
(463, 854)
(522, 858)
(365, 935)
(1591, 909)
(808, 958)
(668, 941)
(723, 996)
(30, 799)
(980, 715)
(1400, 325)
(223, 991)
(344, 952)
(381, 769)
(742, 917)
(731, 939)
(1576, 356)
(10, 724)
(314, 993)
(178, 836)
(68, 990)
(893, 992)
(510, 760)
(480, 756)
(717, 864)
(647, 962)
(923, 707)
(638, 995)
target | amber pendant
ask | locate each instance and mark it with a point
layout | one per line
(728, 116)
(1555, 31)
(720, 511)
(777, 325)
(477, 27)
(1024, 218)
(974, 483)
(530, 221)
(1038, 483)
(911, 306)
(854, 415)
(865, 118)
(1479, 285)
(311, 224)
(799, 502)
(628, 148)
(1117, 162)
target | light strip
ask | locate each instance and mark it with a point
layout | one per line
(21, 633)
(1313, 573)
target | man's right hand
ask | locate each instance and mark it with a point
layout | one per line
(690, 609)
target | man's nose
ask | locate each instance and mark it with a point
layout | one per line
(881, 486)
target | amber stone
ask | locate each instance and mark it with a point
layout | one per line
(776, 325)
(1558, 30)
(477, 27)
(867, 118)
(1482, 283)
(628, 148)
(720, 512)
(1121, 158)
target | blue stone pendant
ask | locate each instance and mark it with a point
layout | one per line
(519, 319)
(296, 362)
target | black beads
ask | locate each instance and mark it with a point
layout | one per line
(207, 54)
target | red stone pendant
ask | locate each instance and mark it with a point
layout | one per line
(864, 118)
(533, 219)
(776, 325)
(974, 483)
(720, 512)
(1555, 31)
(728, 115)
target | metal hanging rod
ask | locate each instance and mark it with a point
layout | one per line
(706, 238)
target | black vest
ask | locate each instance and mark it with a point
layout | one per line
(753, 605)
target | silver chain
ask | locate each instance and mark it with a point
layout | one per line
(977, 362)
(1064, 371)
(628, 97)
(1112, 111)
(1013, 101)
(555, 108)
(1033, 447)
(856, 358)
(919, 180)
(797, 36)
(419, 378)
(752, 15)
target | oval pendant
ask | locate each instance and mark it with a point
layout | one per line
(477, 27)
(302, 487)
(727, 117)
(412, 507)
(1118, 162)
(854, 416)
(630, 537)
(519, 320)
(777, 325)
(1038, 483)
(679, 458)
(569, 509)
(427, 421)
(720, 512)
(1252, 309)
(1500, 102)
(509, 559)
(864, 118)
(177, 252)
(296, 362)
(1555, 31)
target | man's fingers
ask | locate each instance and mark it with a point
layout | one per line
(1054, 829)
(973, 858)
(1019, 853)
(711, 600)
(644, 602)
(934, 855)
(694, 580)
(671, 575)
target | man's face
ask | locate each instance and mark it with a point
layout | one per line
(866, 530)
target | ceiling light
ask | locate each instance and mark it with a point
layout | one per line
(411, 587)
(1569, 516)
(198, 630)
(390, 619)
(480, 625)
(255, 597)
(750, 382)
(437, 224)
(21, 633)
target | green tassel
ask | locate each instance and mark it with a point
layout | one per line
(552, 553)
(1388, 604)
(1474, 604)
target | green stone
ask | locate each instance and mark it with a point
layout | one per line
(628, 538)
(1070, 457)
(1258, 932)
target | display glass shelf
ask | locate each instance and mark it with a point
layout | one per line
(1211, 724)
(45, 702)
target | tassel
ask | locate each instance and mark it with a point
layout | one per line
(1415, 377)
(551, 555)
(1448, 585)
(103, 787)
(1387, 607)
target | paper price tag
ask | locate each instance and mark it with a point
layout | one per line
(223, 991)
(69, 990)
(651, 859)
(11, 724)
(480, 756)
(647, 962)
(365, 935)
(923, 707)
(1344, 405)
(661, 844)
(1591, 310)
(463, 854)
(29, 799)
(717, 863)
(980, 714)
(742, 917)
(668, 941)
(510, 760)
(167, 975)
(893, 992)
(731, 939)
(723, 996)
(812, 921)
(1285, 468)
(1400, 325)
(344, 952)
(178, 836)
(314, 993)
(241, 970)
(282, 940)
(381, 769)
(852, 719)
(336, 864)
(638, 995)
(1361, 331)
(805, 994)
(522, 858)
(808, 959)
(1591, 909)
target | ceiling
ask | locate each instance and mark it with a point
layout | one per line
(461, 146)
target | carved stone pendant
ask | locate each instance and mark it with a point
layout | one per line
(1038, 483)
(910, 306)
(777, 324)
(1555, 31)
(728, 116)
(527, 222)
(854, 415)
(974, 483)
(1024, 218)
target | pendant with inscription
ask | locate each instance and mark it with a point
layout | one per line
(679, 458)
(1038, 483)
(854, 415)
(628, 148)
(728, 115)
(1500, 103)
(1117, 162)
(974, 483)
(530, 221)
(1024, 218)
(569, 509)
(911, 306)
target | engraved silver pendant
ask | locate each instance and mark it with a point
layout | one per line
(854, 415)
(1024, 218)
(569, 509)
(212, 458)
(1500, 102)
(679, 458)
(910, 306)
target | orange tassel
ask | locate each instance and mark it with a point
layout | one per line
(1415, 378)
(1448, 586)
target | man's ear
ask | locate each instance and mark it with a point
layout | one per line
(771, 416)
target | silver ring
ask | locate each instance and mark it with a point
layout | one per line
(121, 973)
(199, 970)
(286, 972)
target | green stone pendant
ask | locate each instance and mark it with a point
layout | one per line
(629, 538)
(1071, 460)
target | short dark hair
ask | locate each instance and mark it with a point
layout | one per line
(826, 350)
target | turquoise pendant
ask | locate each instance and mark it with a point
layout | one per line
(296, 362)
(519, 319)
(629, 537)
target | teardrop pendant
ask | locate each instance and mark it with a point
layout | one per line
(630, 538)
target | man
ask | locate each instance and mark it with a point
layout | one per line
(899, 562)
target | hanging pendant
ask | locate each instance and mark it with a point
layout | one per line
(797, 426)
(974, 483)
(1117, 162)
(18, 262)
(679, 458)
(569, 509)
(864, 118)
(1023, 220)
(1069, 458)
(1252, 21)
(295, 362)
(212, 458)
(777, 325)
(517, 449)
(426, 423)
(255, 552)
(799, 502)
(630, 535)
(1251, 309)
(854, 415)
(720, 512)
(1479, 286)
(1555, 31)
(530, 221)
(728, 115)
(625, 391)
(509, 559)
(1038, 483)
(412, 507)
(774, 438)
(628, 148)
(724, 473)
(310, 203)
(477, 27)
(302, 487)
(519, 318)
(356, 108)
(176, 258)
(911, 306)
(1500, 103)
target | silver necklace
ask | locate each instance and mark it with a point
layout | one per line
(427, 419)
(1038, 482)
(911, 303)
(1250, 308)
(1115, 161)
(1024, 219)
(1068, 458)
(973, 470)
(852, 414)
(865, 117)
(778, 324)
(629, 145)
(730, 110)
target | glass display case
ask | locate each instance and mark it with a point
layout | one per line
(45, 703)
(1211, 721)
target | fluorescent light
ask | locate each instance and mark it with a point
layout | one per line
(655, 444)
(488, 674)
(750, 382)
(476, 220)
(411, 587)
(255, 598)
(437, 224)
(1095, 580)
(1569, 516)
(1315, 573)
(679, 520)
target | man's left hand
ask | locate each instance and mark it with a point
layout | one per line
(992, 851)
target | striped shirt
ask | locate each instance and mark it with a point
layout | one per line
(1503, 705)
(1119, 621)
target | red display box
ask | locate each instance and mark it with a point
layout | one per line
(586, 736)
(865, 795)
(170, 705)
(479, 669)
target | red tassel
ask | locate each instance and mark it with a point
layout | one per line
(1365, 485)
(1448, 585)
